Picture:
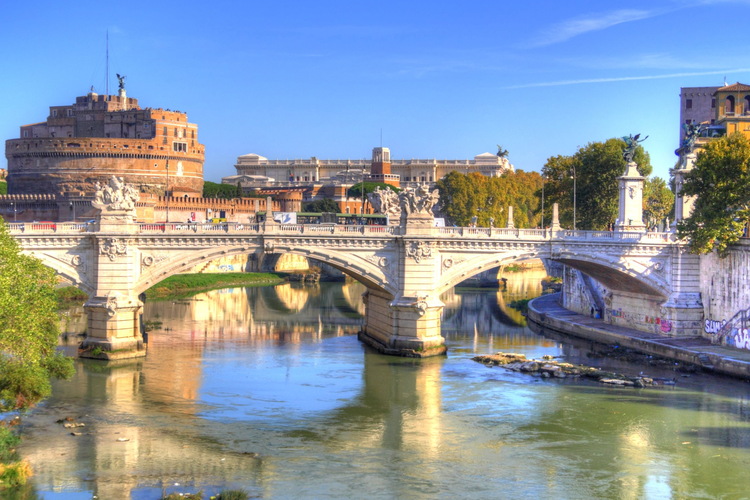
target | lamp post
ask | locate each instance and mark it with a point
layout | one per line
(166, 191)
(363, 193)
(543, 179)
(73, 209)
(14, 211)
(574, 197)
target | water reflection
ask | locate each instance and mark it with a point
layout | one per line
(269, 390)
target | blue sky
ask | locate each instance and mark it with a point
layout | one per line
(447, 80)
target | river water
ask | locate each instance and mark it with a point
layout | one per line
(268, 389)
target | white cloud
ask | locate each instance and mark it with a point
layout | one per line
(578, 26)
(625, 78)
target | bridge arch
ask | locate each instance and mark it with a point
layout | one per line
(616, 273)
(369, 273)
(64, 270)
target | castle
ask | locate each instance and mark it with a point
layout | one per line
(98, 136)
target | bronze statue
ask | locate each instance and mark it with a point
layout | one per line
(631, 142)
(120, 81)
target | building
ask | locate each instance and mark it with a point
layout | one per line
(257, 171)
(99, 136)
(697, 105)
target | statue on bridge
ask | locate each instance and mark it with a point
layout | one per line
(692, 132)
(631, 142)
(409, 201)
(115, 196)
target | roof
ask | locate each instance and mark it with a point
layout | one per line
(735, 87)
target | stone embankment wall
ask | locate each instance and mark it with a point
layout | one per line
(725, 293)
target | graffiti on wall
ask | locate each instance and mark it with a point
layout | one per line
(664, 324)
(734, 332)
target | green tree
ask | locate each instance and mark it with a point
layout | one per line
(595, 169)
(28, 328)
(658, 202)
(721, 183)
(3, 187)
(324, 205)
(226, 191)
(463, 197)
(356, 190)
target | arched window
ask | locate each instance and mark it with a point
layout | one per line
(746, 108)
(729, 105)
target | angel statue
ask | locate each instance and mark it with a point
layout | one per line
(501, 153)
(631, 142)
(120, 81)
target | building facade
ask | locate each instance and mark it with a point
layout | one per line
(255, 170)
(99, 136)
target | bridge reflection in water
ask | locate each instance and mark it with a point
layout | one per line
(242, 389)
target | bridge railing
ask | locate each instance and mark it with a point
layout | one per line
(176, 228)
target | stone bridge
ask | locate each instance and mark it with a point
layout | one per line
(405, 268)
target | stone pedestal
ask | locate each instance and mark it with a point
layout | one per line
(683, 205)
(114, 311)
(631, 201)
(406, 326)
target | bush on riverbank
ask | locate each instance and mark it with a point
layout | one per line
(70, 296)
(13, 471)
(187, 285)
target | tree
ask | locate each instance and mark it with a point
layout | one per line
(596, 168)
(28, 328)
(356, 190)
(721, 182)
(658, 202)
(216, 190)
(465, 196)
(324, 205)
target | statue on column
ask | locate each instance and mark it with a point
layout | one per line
(116, 195)
(631, 142)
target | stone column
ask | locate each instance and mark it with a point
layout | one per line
(408, 324)
(683, 205)
(114, 310)
(684, 306)
(555, 217)
(631, 200)
(511, 224)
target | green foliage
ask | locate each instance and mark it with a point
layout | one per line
(8, 442)
(463, 196)
(3, 187)
(324, 205)
(233, 495)
(215, 190)
(69, 294)
(185, 285)
(596, 168)
(28, 328)
(356, 190)
(721, 182)
(658, 202)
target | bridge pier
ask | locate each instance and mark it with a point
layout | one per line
(114, 311)
(405, 326)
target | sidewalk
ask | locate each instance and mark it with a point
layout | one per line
(545, 314)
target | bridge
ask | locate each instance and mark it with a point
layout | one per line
(404, 268)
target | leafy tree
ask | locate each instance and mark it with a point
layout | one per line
(3, 187)
(463, 197)
(596, 168)
(356, 190)
(658, 202)
(324, 205)
(226, 191)
(28, 328)
(721, 182)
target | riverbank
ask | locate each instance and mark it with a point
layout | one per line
(181, 286)
(546, 315)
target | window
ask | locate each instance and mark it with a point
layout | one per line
(179, 147)
(729, 105)
(747, 105)
(69, 112)
(688, 104)
(713, 103)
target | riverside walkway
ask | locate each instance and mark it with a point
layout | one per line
(547, 315)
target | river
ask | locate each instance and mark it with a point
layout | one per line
(268, 389)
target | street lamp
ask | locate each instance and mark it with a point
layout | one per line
(166, 191)
(543, 179)
(574, 197)
(14, 211)
(73, 208)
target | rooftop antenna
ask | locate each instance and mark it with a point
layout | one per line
(106, 76)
